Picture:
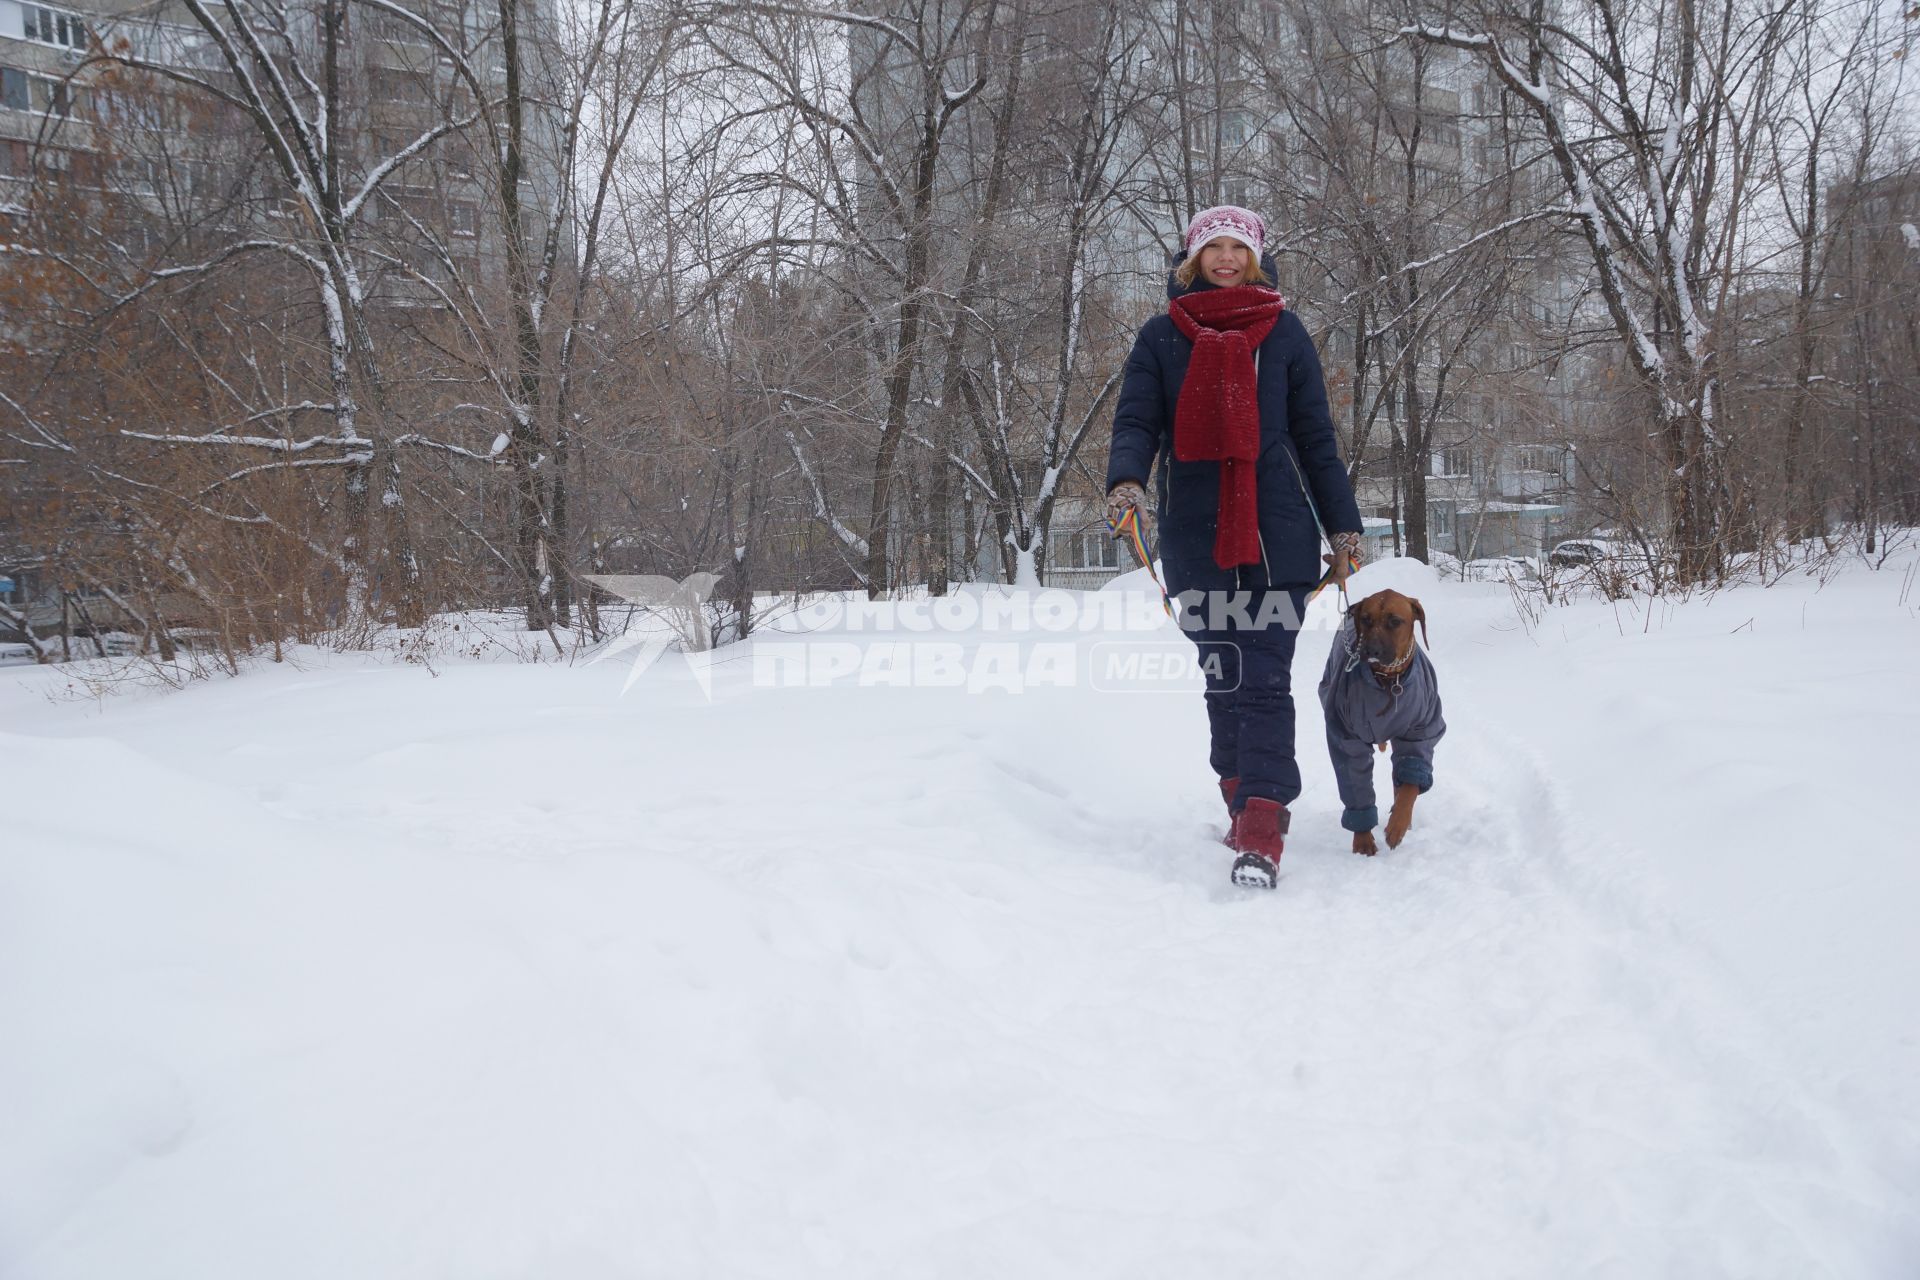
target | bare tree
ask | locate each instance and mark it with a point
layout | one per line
(1655, 121)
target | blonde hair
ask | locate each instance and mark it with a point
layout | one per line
(1189, 270)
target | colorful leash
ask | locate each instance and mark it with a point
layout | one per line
(1352, 566)
(1129, 528)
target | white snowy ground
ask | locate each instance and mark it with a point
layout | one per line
(349, 969)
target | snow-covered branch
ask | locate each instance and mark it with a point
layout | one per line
(45, 439)
(1559, 211)
(845, 17)
(822, 509)
(338, 441)
(382, 171)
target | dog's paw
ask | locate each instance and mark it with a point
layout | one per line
(1363, 843)
(1398, 824)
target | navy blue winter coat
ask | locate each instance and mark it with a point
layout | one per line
(1298, 470)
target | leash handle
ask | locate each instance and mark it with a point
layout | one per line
(1129, 530)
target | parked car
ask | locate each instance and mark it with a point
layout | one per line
(1581, 553)
(1617, 567)
(1499, 569)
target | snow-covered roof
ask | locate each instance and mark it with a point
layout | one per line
(1511, 508)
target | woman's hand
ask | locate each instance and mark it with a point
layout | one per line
(1124, 497)
(1346, 557)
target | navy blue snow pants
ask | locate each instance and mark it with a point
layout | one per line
(1250, 693)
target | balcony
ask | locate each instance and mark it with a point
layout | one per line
(1519, 483)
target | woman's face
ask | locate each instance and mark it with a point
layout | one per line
(1224, 260)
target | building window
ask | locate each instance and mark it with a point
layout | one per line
(1441, 183)
(461, 218)
(1538, 457)
(24, 91)
(1106, 551)
(388, 143)
(394, 29)
(130, 110)
(206, 181)
(54, 26)
(136, 173)
(1439, 521)
(1093, 549)
(386, 85)
(1270, 24)
(52, 97)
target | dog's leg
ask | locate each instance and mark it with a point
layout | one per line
(1398, 821)
(1363, 843)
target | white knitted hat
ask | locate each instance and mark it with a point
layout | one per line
(1243, 225)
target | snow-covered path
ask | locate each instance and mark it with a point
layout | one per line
(358, 971)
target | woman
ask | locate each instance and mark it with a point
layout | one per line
(1225, 391)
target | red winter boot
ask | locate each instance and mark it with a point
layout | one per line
(1227, 787)
(1259, 834)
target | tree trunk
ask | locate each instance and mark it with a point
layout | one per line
(906, 345)
(531, 532)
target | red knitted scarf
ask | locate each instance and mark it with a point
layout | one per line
(1218, 415)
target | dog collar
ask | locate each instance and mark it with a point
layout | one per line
(1392, 672)
(1393, 668)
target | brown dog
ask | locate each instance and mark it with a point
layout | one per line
(1379, 689)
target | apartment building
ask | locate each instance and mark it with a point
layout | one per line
(40, 48)
(84, 141)
(1499, 425)
(171, 151)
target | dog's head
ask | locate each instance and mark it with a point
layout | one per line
(1383, 626)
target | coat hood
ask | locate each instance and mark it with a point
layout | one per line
(1175, 288)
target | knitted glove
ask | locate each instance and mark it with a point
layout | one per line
(1346, 556)
(1128, 496)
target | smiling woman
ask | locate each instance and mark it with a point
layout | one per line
(1221, 261)
(1223, 394)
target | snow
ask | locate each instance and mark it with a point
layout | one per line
(1026, 573)
(349, 967)
(1404, 574)
(1496, 506)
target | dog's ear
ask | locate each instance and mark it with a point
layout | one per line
(1420, 616)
